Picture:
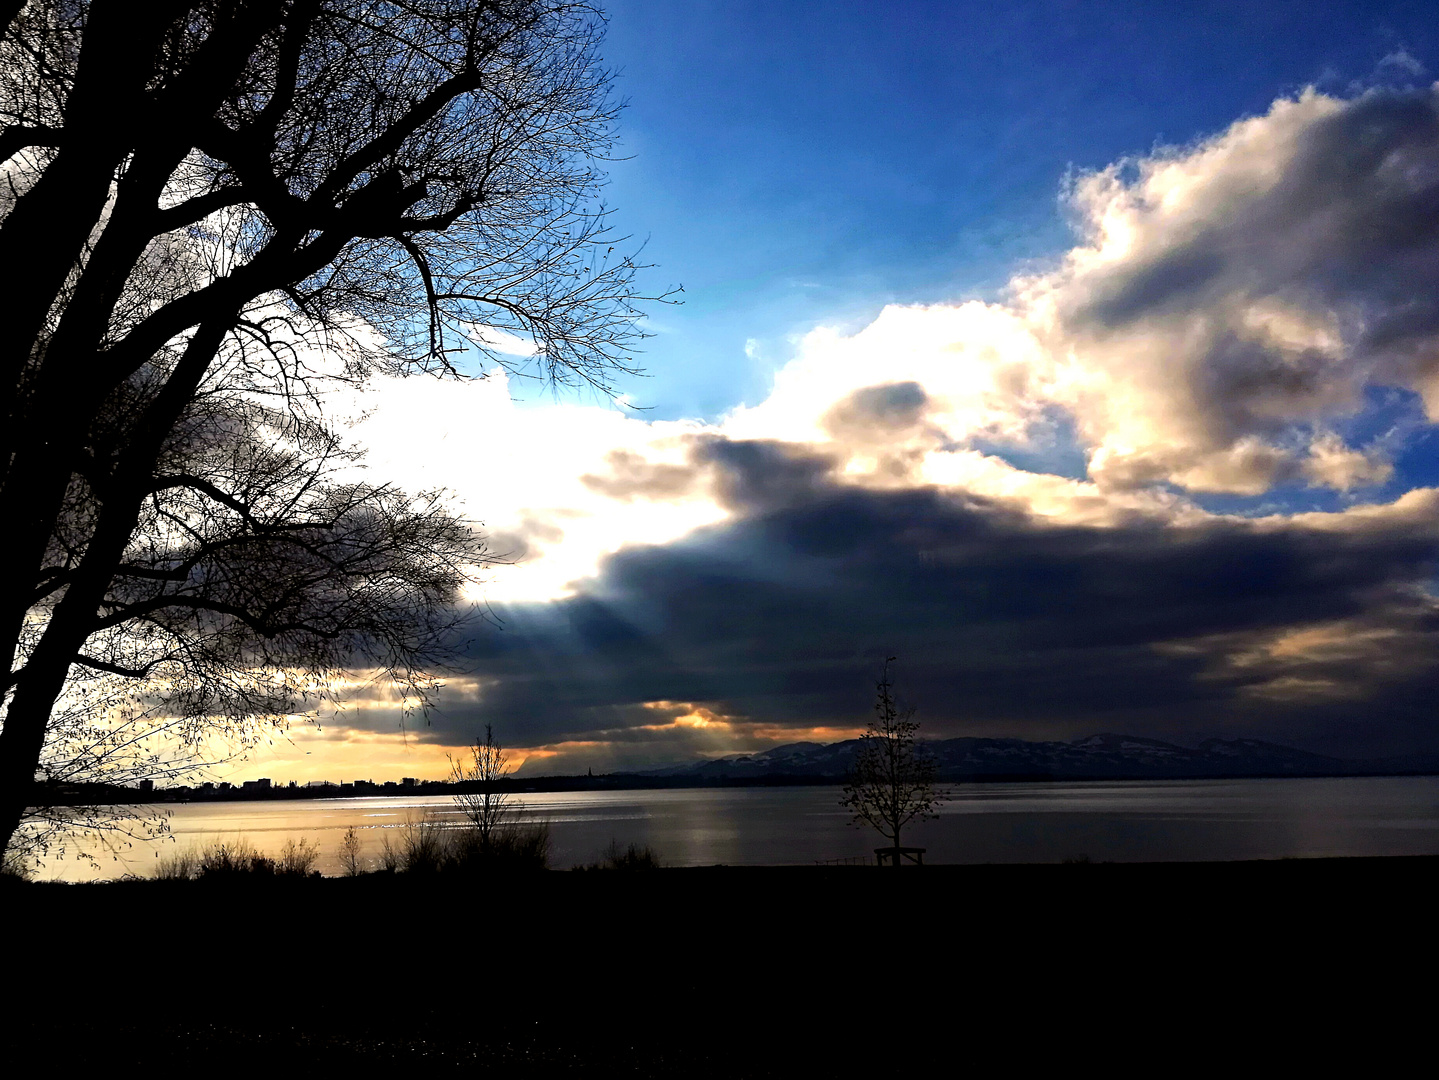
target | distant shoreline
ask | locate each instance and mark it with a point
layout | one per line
(104, 795)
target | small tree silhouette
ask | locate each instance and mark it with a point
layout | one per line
(892, 782)
(350, 860)
(481, 798)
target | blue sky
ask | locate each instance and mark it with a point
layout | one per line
(1083, 356)
(797, 164)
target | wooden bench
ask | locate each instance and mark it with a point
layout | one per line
(891, 856)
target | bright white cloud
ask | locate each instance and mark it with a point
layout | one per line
(502, 341)
(1228, 303)
(1231, 298)
(521, 472)
(1333, 464)
(979, 365)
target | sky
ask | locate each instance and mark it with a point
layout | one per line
(1083, 357)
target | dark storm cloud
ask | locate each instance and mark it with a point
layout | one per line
(757, 476)
(999, 620)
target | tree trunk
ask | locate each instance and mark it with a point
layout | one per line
(46, 231)
(43, 680)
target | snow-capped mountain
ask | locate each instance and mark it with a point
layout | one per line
(1097, 757)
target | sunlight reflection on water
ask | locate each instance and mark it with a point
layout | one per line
(1163, 820)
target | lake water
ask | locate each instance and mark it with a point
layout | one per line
(1177, 820)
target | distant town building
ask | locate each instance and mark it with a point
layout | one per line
(147, 785)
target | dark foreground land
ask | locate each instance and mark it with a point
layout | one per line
(783, 971)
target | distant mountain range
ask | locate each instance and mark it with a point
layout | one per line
(1099, 757)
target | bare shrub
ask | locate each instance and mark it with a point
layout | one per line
(466, 851)
(515, 846)
(633, 857)
(427, 846)
(530, 845)
(181, 866)
(422, 848)
(389, 855)
(630, 857)
(297, 858)
(238, 858)
(233, 858)
(350, 853)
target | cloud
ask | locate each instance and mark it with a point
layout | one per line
(1227, 308)
(1333, 464)
(631, 476)
(980, 368)
(1010, 496)
(494, 339)
(1400, 62)
(554, 488)
(1004, 621)
(1231, 297)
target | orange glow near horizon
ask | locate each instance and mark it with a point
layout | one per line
(690, 731)
(682, 731)
(340, 754)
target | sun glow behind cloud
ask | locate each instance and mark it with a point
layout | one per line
(520, 474)
(678, 731)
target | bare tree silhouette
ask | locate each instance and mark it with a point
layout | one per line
(482, 797)
(892, 781)
(221, 212)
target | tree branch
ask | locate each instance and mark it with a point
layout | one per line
(19, 137)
